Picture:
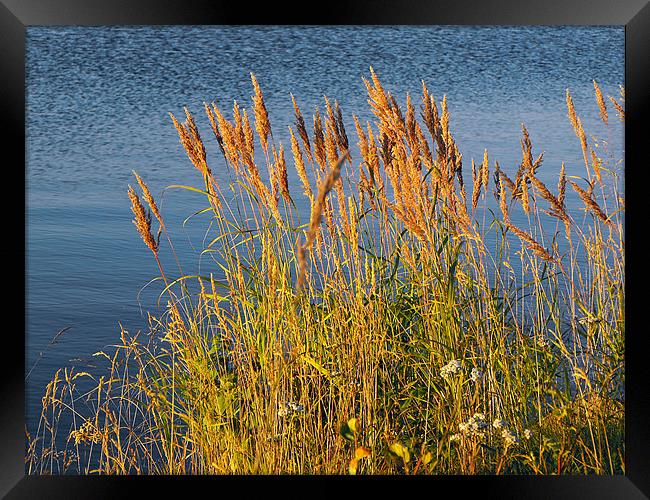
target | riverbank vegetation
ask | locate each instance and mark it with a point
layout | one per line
(426, 314)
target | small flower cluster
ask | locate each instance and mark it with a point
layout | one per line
(450, 369)
(454, 367)
(474, 427)
(508, 436)
(477, 427)
(288, 408)
(499, 424)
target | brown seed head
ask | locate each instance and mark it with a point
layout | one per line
(262, 123)
(601, 103)
(142, 221)
(149, 198)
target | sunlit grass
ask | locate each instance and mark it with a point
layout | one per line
(407, 326)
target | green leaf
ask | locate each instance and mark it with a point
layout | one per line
(349, 429)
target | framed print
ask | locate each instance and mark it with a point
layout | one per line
(268, 248)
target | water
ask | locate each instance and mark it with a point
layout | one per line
(97, 107)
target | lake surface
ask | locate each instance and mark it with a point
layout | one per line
(97, 107)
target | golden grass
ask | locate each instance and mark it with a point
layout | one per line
(408, 335)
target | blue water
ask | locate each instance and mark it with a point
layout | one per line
(97, 107)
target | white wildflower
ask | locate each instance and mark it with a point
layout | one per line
(476, 374)
(286, 409)
(296, 407)
(527, 434)
(454, 437)
(499, 424)
(475, 426)
(450, 369)
(509, 437)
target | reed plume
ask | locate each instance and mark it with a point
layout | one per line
(577, 127)
(601, 103)
(316, 216)
(262, 123)
(149, 198)
(142, 221)
(302, 128)
(300, 166)
(619, 108)
(589, 201)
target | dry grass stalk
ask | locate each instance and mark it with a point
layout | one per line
(377, 98)
(142, 221)
(411, 128)
(601, 103)
(149, 199)
(191, 141)
(444, 120)
(248, 139)
(369, 153)
(509, 183)
(425, 151)
(619, 109)
(557, 207)
(501, 195)
(316, 215)
(590, 202)
(215, 127)
(300, 166)
(561, 186)
(262, 123)
(476, 186)
(561, 195)
(302, 129)
(190, 138)
(577, 127)
(596, 163)
(527, 168)
(335, 124)
(532, 245)
(320, 154)
(354, 228)
(429, 112)
(485, 170)
(331, 145)
(226, 131)
(341, 133)
(524, 196)
(281, 172)
(573, 117)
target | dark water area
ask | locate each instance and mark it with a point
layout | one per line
(97, 107)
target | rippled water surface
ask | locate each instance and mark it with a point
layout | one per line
(97, 107)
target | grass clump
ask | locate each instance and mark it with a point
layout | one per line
(395, 330)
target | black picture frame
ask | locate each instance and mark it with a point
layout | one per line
(17, 15)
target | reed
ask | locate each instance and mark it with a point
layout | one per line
(414, 333)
